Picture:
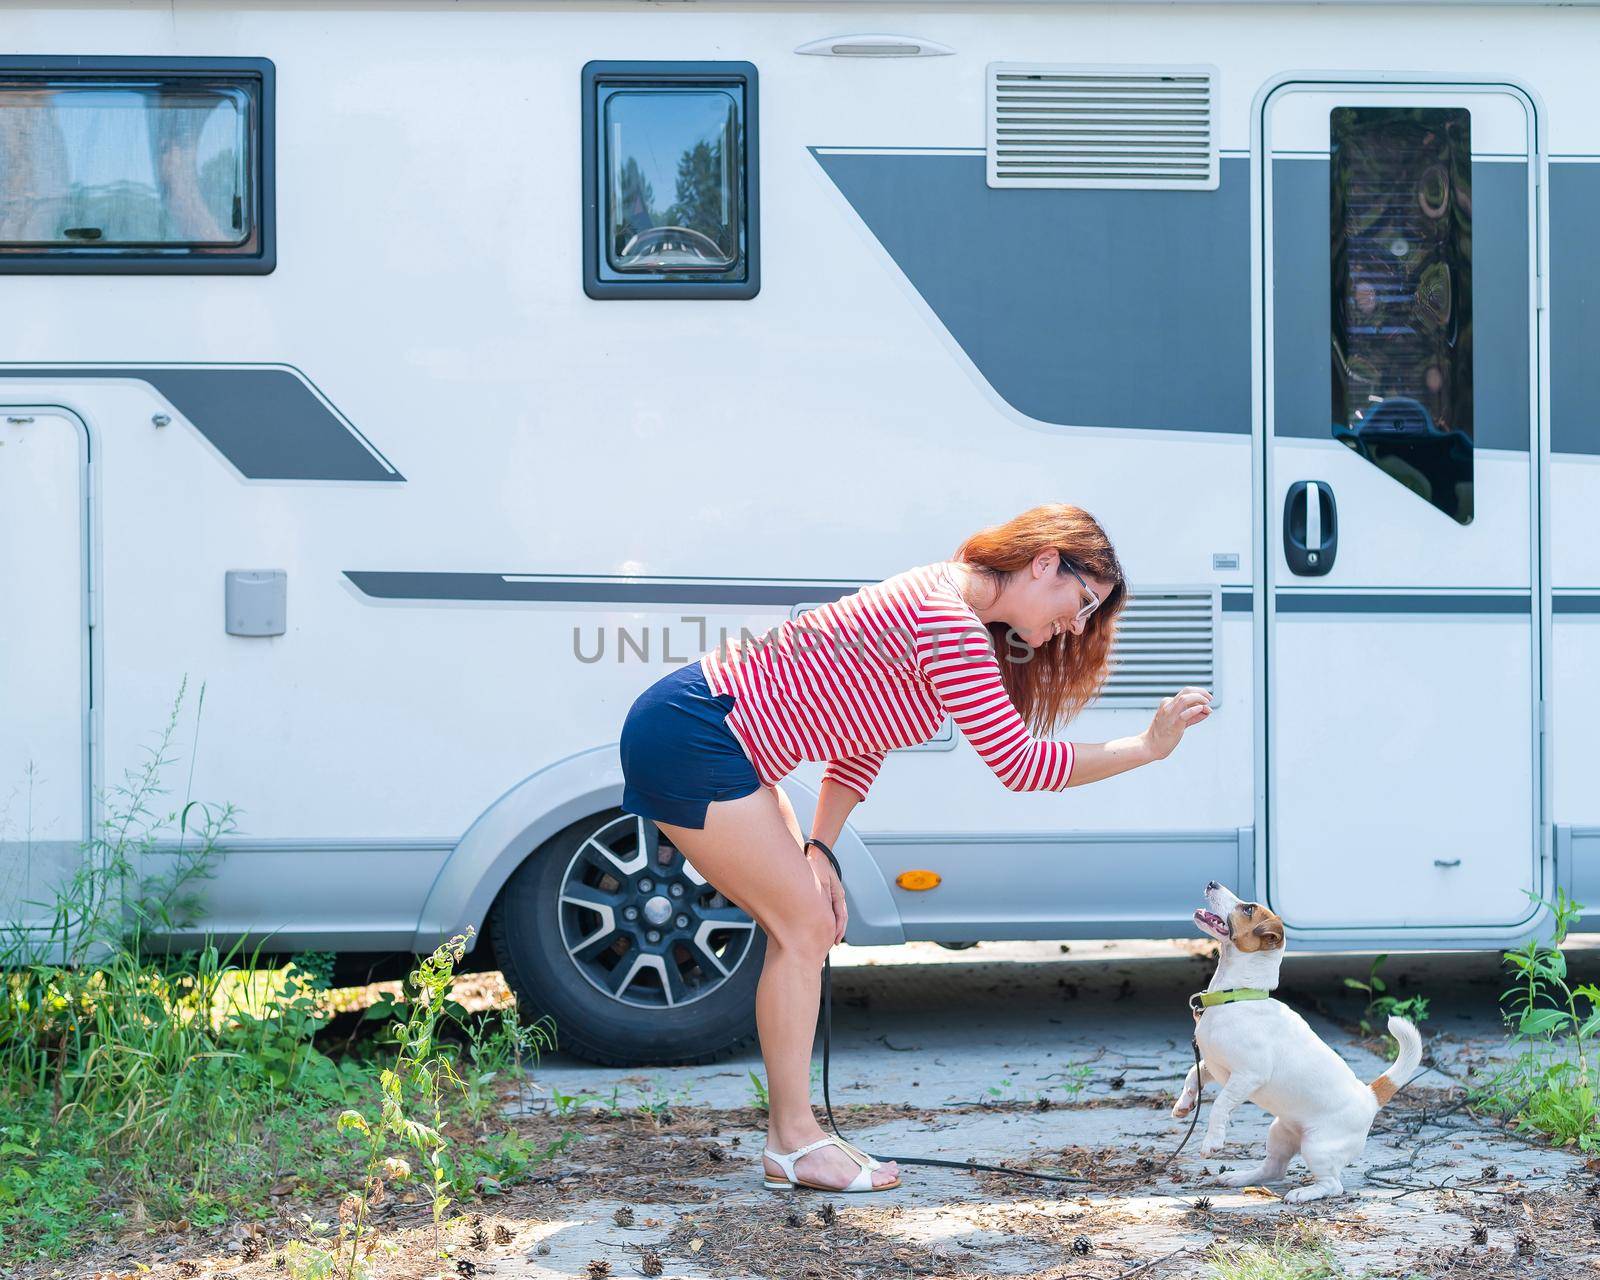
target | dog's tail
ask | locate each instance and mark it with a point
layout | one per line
(1403, 1067)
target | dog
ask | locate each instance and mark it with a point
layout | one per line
(1261, 1051)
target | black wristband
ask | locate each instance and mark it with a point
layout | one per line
(829, 852)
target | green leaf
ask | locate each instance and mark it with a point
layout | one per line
(1543, 1021)
(1555, 965)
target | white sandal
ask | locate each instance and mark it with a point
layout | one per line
(861, 1182)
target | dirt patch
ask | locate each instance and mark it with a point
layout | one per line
(812, 1238)
(676, 1193)
(1513, 1231)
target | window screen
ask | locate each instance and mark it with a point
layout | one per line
(122, 167)
(669, 176)
(1401, 190)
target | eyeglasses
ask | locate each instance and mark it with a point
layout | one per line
(1094, 600)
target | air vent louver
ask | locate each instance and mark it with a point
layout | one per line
(1097, 125)
(1166, 638)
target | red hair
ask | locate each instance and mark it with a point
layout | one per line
(1052, 683)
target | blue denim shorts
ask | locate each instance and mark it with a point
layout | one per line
(678, 754)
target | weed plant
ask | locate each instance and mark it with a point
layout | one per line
(1381, 1005)
(1548, 1085)
(147, 1087)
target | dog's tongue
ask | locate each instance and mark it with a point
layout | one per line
(1212, 919)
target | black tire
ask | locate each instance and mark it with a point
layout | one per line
(533, 930)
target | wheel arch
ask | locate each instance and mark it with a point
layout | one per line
(565, 791)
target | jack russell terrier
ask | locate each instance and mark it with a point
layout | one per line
(1261, 1051)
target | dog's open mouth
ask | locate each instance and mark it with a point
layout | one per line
(1211, 920)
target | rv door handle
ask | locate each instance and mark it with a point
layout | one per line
(1310, 528)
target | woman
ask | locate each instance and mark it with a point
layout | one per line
(704, 748)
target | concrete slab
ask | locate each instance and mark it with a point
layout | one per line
(952, 1054)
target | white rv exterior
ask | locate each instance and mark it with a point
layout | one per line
(458, 491)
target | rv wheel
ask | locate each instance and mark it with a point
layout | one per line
(610, 931)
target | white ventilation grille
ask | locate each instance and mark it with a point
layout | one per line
(1089, 125)
(1166, 638)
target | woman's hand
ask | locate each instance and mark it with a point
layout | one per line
(1189, 706)
(828, 883)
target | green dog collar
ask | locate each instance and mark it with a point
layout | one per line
(1203, 1000)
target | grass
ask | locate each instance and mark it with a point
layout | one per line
(1299, 1252)
(1381, 1005)
(1549, 1087)
(1276, 1261)
(146, 1090)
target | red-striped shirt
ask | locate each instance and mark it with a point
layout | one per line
(874, 670)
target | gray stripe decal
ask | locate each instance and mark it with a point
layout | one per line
(1103, 308)
(1586, 603)
(267, 421)
(1372, 602)
(785, 593)
(1132, 309)
(381, 585)
(1302, 328)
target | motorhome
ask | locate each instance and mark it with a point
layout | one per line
(425, 379)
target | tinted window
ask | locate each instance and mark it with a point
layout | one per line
(672, 192)
(1401, 193)
(670, 187)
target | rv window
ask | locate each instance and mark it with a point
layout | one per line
(1401, 190)
(671, 191)
(669, 180)
(132, 166)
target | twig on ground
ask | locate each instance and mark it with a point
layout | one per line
(1136, 1271)
(1410, 1188)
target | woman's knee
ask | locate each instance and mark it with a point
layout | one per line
(804, 928)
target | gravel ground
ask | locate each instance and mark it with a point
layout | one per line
(1065, 1056)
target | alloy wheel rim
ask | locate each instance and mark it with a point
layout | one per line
(642, 925)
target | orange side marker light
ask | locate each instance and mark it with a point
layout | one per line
(918, 880)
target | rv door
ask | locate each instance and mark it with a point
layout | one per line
(44, 664)
(1400, 461)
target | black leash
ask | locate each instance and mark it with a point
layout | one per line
(1199, 1088)
(929, 1161)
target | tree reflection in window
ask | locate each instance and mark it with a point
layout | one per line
(685, 141)
(1401, 215)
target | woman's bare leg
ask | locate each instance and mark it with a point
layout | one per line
(750, 851)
